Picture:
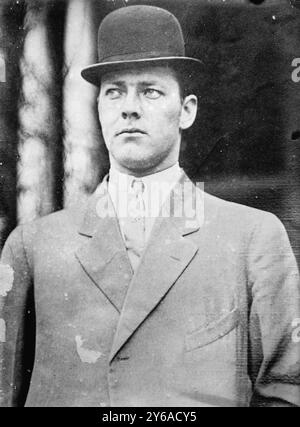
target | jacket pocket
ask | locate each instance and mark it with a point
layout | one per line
(212, 332)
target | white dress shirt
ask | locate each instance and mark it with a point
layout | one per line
(157, 188)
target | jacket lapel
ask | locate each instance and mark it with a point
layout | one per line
(167, 255)
(103, 256)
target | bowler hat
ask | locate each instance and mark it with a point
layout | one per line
(135, 35)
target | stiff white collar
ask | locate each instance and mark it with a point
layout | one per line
(157, 188)
(168, 176)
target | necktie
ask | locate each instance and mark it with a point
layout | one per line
(133, 225)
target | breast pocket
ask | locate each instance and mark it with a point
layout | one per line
(213, 332)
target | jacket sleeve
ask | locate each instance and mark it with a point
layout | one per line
(274, 341)
(17, 323)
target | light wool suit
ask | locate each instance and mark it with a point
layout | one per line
(207, 319)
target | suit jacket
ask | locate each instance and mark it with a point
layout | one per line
(208, 319)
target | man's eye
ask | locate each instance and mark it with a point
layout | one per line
(152, 93)
(113, 93)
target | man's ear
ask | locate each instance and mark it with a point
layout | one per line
(188, 111)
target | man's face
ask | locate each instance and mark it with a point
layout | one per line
(142, 115)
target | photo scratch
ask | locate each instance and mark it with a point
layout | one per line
(86, 355)
(6, 279)
(2, 331)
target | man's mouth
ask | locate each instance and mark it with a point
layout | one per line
(131, 131)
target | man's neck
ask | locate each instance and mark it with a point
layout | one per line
(137, 173)
(173, 170)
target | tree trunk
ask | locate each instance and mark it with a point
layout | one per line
(82, 141)
(39, 118)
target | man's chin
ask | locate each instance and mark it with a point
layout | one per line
(137, 164)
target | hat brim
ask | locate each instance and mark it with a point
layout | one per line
(189, 66)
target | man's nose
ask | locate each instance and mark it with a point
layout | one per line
(131, 107)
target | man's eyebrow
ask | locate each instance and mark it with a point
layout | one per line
(114, 82)
(141, 83)
(150, 83)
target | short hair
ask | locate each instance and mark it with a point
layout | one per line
(186, 82)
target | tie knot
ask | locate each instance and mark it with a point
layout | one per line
(138, 186)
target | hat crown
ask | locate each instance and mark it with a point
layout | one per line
(139, 32)
(140, 35)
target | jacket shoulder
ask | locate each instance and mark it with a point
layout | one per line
(63, 222)
(240, 216)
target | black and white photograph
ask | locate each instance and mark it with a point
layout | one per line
(149, 205)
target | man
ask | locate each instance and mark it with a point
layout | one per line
(129, 306)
